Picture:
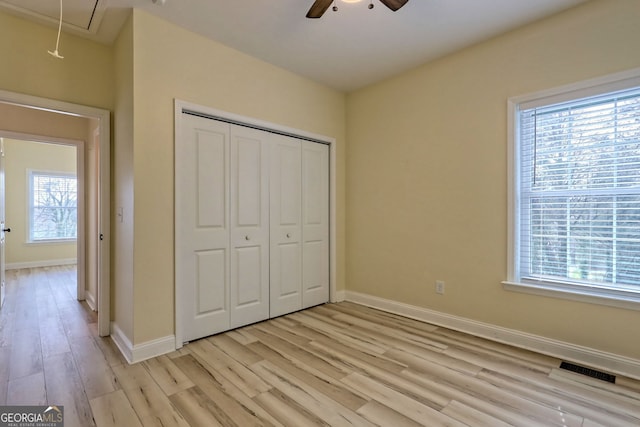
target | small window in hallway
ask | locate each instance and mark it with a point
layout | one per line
(53, 208)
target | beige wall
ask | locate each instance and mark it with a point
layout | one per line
(122, 239)
(35, 122)
(83, 77)
(20, 156)
(168, 63)
(427, 175)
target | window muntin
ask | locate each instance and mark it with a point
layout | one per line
(53, 207)
(578, 198)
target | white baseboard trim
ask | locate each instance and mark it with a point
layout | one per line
(605, 361)
(122, 342)
(36, 264)
(340, 296)
(146, 350)
(153, 348)
(90, 298)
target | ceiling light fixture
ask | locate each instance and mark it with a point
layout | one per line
(55, 52)
(335, 8)
(319, 7)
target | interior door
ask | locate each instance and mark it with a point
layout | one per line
(249, 251)
(2, 225)
(315, 223)
(286, 226)
(202, 226)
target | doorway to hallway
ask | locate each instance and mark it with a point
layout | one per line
(47, 119)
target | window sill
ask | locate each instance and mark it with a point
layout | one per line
(620, 298)
(51, 242)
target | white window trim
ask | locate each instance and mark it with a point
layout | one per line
(38, 242)
(621, 298)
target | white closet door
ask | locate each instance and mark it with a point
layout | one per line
(249, 297)
(315, 223)
(286, 226)
(202, 226)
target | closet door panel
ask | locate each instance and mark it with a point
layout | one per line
(289, 269)
(315, 223)
(249, 226)
(286, 230)
(248, 170)
(202, 227)
(211, 271)
(247, 293)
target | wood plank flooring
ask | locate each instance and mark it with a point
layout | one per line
(333, 365)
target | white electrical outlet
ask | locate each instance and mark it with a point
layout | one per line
(440, 287)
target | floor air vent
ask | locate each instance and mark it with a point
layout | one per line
(603, 376)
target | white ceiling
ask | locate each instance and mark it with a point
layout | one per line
(347, 49)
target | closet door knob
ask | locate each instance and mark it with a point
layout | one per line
(288, 235)
(246, 237)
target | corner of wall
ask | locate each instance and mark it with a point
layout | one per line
(143, 351)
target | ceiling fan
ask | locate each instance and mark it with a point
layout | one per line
(319, 7)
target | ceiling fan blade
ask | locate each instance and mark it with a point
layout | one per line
(318, 8)
(394, 4)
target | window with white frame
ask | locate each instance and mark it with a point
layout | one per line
(575, 210)
(53, 207)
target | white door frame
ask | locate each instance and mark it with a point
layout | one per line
(181, 106)
(104, 215)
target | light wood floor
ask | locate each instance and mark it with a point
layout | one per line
(333, 365)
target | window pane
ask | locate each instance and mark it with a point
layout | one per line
(628, 240)
(54, 212)
(594, 239)
(580, 191)
(585, 147)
